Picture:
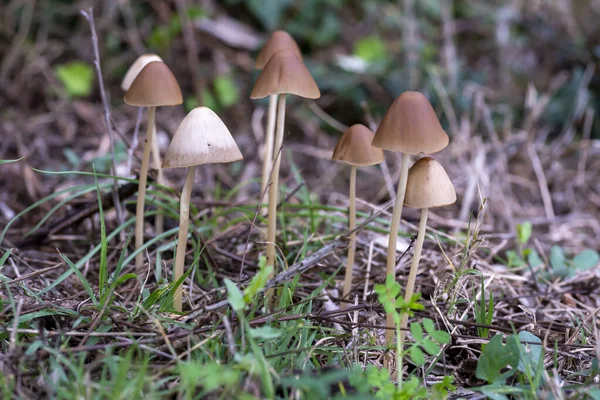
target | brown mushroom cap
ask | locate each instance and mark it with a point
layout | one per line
(285, 73)
(354, 147)
(201, 138)
(136, 67)
(154, 86)
(279, 40)
(428, 185)
(411, 126)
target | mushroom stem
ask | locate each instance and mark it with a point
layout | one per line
(269, 138)
(391, 256)
(159, 219)
(410, 284)
(274, 188)
(139, 210)
(184, 220)
(352, 244)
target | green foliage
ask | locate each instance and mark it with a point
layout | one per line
(226, 90)
(371, 49)
(497, 356)
(162, 35)
(524, 232)
(77, 78)
(268, 12)
(483, 315)
(11, 161)
(376, 383)
(561, 267)
(523, 355)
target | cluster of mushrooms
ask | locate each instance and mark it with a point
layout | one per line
(410, 127)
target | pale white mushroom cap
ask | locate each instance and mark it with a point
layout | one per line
(201, 138)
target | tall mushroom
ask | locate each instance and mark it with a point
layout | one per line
(201, 138)
(153, 87)
(279, 41)
(128, 79)
(285, 73)
(354, 148)
(410, 126)
(428, 186)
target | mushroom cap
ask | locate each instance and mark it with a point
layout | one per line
(428, 185)
(285, 73)
(279, 40)
(201, 138)
(411, 126)
(154, 86)
(136, 67)
(354, 147)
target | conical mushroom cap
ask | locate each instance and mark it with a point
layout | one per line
(411, 126)
(154, 86)
(136, 67)
(279, 40)
(428, 185)
(201, 138)
(285, 73)
(354, 147)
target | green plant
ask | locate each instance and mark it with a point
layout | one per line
(77, 77)
(396, 305)
(521, 356)
(484, 313)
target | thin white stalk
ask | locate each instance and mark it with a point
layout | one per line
(269, 138)
(184, 221)
(410, 285)
(139, 210)
(274, 188)
(352, 244)
(159, 219)
(396, 216)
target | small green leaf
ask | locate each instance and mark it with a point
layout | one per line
(441, 337)
(533, 258)
(371, 49)
(234, 296)
(496, 357)
(265, 332)
(416, 331)
(428, 325)
(431, 347)
(587, 259)
(226, 90)
(524, 231)
(77, 77)
(557, 258)
(417, 355)
(268, 12)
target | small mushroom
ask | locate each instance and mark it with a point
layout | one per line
(285, 73)
(410, 126)
(130, 76)
(153, 87)
(354, 148)
(428, 186)
(279, 41)
(201, 138)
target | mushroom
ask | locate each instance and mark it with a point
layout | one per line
(130, 76)
(154, 86)
(428, 186)
(285, 73)
(201, 138)
(354, 148)
(410, 126)
(279, 40)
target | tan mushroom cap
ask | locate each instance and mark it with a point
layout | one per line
(285, 73)
(136, 67)
(154, 86)
(428, 185)
(279, 40)
(201, 138)
(354, 147)
(411, 126)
